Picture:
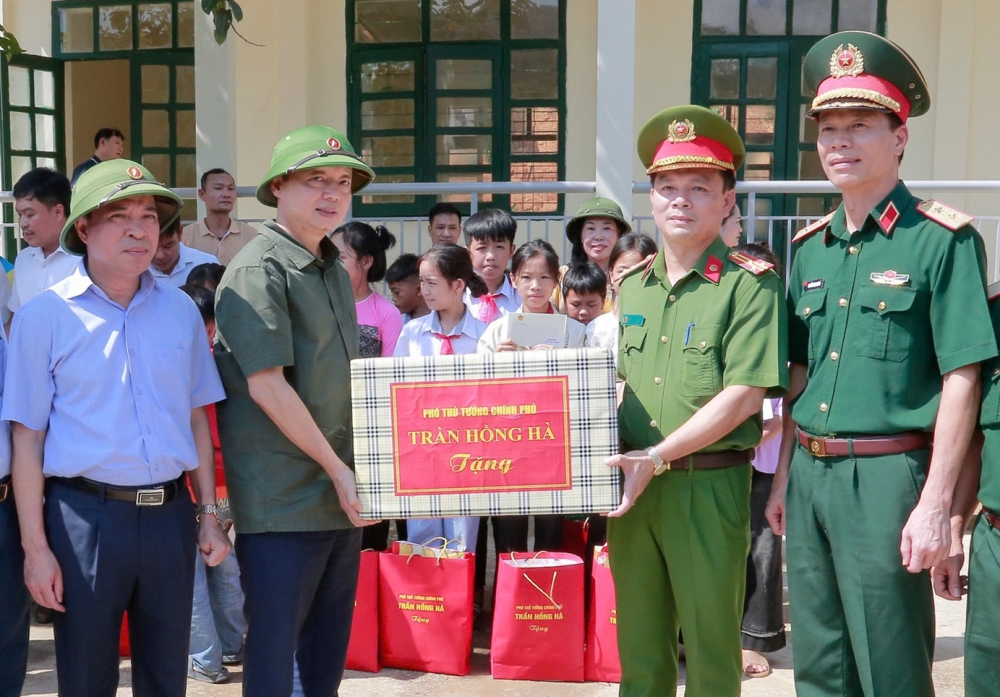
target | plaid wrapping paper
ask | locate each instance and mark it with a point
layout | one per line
(593, 432)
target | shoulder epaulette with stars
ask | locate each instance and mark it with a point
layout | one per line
(944, 215)
(752, 264)
(810, 229)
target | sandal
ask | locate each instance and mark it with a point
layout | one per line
(752, 659)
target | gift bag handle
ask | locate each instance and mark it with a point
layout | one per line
(438, 550)
(552, 588)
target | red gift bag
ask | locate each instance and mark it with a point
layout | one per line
(425, 622)
(602, 663)
(362, 651)
(538, 621)
(574, 538)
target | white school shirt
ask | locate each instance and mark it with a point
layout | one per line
(507, 300)
(187, 260)
(417, 337)
(34, 273)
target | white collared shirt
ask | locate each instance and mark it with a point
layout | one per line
(417, 338)
(507, 300)
(188, 259)
(34, 272)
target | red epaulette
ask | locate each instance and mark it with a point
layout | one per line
(752, 264)
(944, 215)
(810, 229)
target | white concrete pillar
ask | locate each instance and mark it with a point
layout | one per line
(215, 99)
(615, 100)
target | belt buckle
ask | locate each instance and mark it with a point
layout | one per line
(817, 446)
(150, 497)
(4, 491)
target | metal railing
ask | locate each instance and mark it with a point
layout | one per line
(410, 231)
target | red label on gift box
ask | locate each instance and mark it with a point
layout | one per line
(480, 436)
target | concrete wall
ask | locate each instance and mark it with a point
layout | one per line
(97, 95)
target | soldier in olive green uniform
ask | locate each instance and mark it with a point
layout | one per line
(702, 342)
(887, 322)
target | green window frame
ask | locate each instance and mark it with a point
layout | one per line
(121, 39)
(733, 49)
(522, 137)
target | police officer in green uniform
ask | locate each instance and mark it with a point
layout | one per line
(979, 482)
(702, 342)
(888, 324)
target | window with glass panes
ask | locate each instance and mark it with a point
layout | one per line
(458, 91)
(747, 65)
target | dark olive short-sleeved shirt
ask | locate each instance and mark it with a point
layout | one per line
(880, 315)
(280, 306)
(989, 419)
(680, 345)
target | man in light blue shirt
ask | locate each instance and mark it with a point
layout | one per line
(174, 260)
(107, 407)
(14, 595)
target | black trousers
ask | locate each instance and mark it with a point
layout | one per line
(510, 534)
(299, 589)
(13, 604)
(377, 536)
(117, 556)
(763, 627)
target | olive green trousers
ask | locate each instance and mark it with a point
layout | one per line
(862, 625)
(982, 621)
(679, 562)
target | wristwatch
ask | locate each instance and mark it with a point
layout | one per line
(206, 509)
(659, 466)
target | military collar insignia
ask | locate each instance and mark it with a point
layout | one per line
(752, 264)
(681, 131)
(890, 278)
(810, 229)
(713, 269)
(847, 62)
(889, 218)
(993, 290)
(944, 215)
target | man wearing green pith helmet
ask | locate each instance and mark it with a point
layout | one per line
(287, 330)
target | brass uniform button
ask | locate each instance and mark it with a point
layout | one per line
(664, 339)
(996, 371)
(806, 311)
(834, 355)
(852, 249)
(881, 306)
(823, 407)
(657, 380)
(672, 298)
(653, 423)
(702, 345)
(843, 302)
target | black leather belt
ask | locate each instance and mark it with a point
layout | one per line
(5, 489)
(152, 495)
(707, 461)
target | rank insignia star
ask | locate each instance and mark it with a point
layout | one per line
(847, 62)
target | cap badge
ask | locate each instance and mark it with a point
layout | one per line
(134, 173)
(333, 143)
(680, 131)
(847, 62)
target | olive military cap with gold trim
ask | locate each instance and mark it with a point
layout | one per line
(860, 70)
(114, 180)
(597, 207)
(689, 136)
(310, 147)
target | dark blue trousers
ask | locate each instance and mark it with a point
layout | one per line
(13, 604)
(299, 589)
(117, 556)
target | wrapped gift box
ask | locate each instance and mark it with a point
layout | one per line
(511, 433)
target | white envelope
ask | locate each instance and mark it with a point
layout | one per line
(530, 329)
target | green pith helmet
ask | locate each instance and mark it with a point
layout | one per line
(115, 180)
(596, 207)
(860, 70)
(309, 147)
(689, 136)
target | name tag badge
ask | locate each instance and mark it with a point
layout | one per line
(890, 278)
(814, 285)
(633, 320)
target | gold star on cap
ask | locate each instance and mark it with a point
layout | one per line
(680, 131)
(847, 62)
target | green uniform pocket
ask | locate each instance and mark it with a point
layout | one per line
(884, 310)
(702, 368)
(633, 339)
(811, 308)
